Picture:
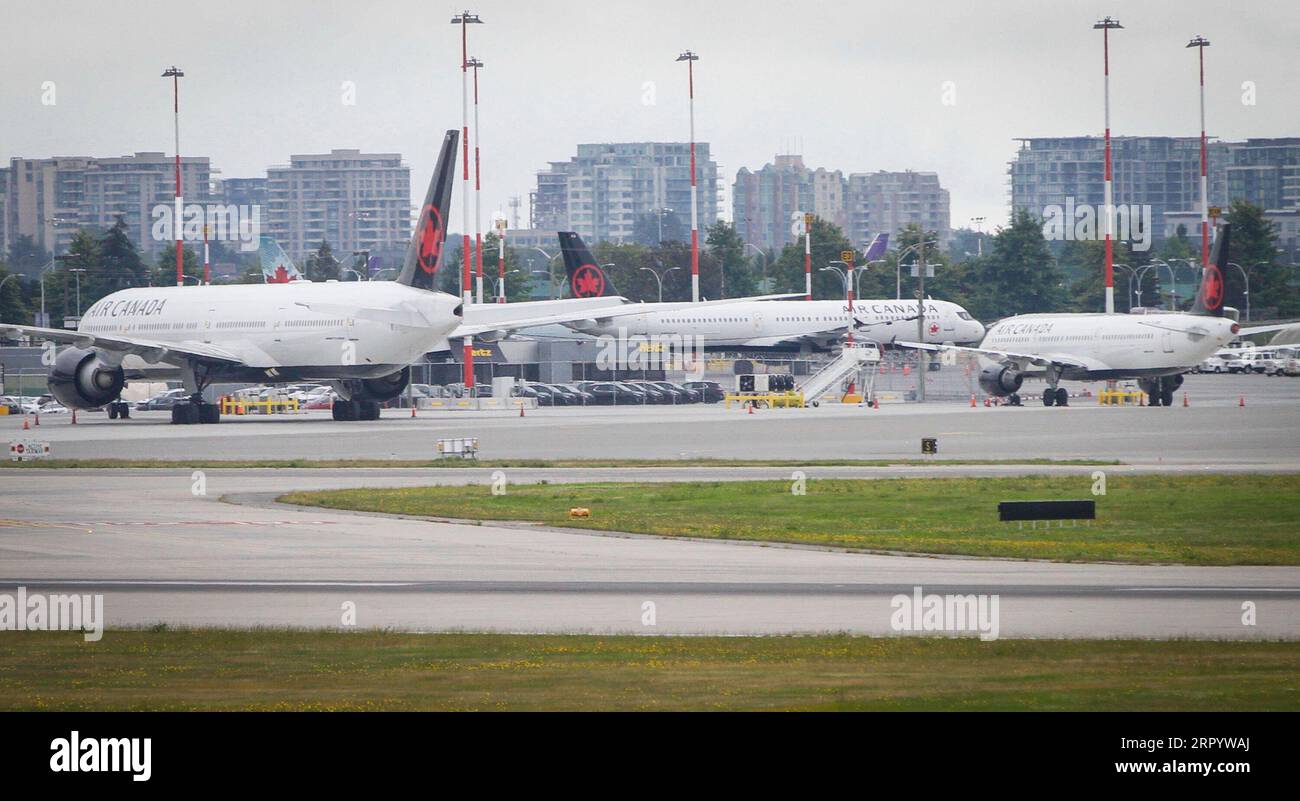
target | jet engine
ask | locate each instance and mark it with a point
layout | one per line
(81, 379)
(382, 388)
(1001, 380)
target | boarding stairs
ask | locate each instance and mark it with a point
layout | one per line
(851, 360)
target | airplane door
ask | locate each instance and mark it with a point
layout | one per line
(758, 322)
(1167, 341)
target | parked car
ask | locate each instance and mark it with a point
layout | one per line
(575, 395)
(1284, 364)
(680, 393)
(162, 401)
(1214, 364)
(710, 391)
(653, 393)
(1259, 361)
(615, 393)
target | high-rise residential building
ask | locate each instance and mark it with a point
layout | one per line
(51, 199)
(1162, 172)
(765, 202)
(1265, 172)
(4, 208)
(884, 202)
(606, 188)
(352, 200)
(137, 189)
(242, 191)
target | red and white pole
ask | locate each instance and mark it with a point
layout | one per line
(178, 215)
(466, 254)
(807, 258)
(1200, 43)
(478, 188)
(501, 262)
(690, 58)
(1109, 202)
(207, 271)
(849, 283)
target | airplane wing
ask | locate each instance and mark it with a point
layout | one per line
(1020, 359)
(152, 352)
(1264, 329)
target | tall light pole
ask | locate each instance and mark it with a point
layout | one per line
(1106, 25)
(178, 215)
(763, 254)
(979, 238)
(807, 256)
(475, 64)
(1245, 276)
(922, 363)
(1200, 43)
(690, 59)
(464, 20)
(501, 224)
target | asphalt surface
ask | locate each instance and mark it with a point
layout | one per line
(230, 556)
(1213, 429)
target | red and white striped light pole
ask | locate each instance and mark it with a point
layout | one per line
(464, 20)
(807, 256)
(501, 259)
(690, 59)
(475, 64)
(207, 271)
(178, 215)
(1200, 43)
(1105, 26)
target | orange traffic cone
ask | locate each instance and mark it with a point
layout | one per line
(521, 410)
(972, 400)
(1241, 401)
(26, 425)
(1185, 400)
(412, 411)
(74, 417)
(751, 407)
(875, 403)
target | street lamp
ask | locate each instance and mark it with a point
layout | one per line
(552, 283)
(1246, 277)
(690, 58)
(979, 231)
(844, 279)
(659, 214)
(763, 254)
(659, 278)
(475, 64)
(898, 269)
(1200, 43)
(464, 20)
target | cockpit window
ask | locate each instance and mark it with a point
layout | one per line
(964, 315)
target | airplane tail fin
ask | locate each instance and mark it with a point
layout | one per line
(586, 279)
(877, 248)
(1209, 298)
(424, 254)
(277, 267)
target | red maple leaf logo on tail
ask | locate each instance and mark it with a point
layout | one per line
(1213, 284)
(430, 240)
(588, 282)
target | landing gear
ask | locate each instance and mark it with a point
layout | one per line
(1160, 391)
(1055, 395)
(196, 411)
(119, 409)
(1062, 397)
(1049, 396)
(1014, 400)
(347, 410)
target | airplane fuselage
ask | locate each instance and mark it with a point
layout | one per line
(1113, 345)
(795, 323)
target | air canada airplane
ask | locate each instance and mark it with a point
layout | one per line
(1156, 349)
(764, 323)
(361, 336)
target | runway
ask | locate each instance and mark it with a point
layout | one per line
(162, 554)
(1214, 428)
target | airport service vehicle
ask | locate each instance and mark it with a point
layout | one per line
(766, 323)
(710, 391)
(1283, 363)
(1258, 361)
(359, 336)
(1156, 349)
(1218, 363)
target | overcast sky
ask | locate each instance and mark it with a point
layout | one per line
(857, 86)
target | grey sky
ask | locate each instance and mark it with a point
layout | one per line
(857, 84)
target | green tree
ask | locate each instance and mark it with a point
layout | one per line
(1254, 246)
(661, 225)
(727, 267)
(120, 264)
(828, 242)
(1017, 275)
(164, 268)
(321, 265)
(13, 301)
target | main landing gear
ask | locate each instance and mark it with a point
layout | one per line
(195, 409)
(355, 410)
(1055, 395)
(119, 410)
(1160, 391)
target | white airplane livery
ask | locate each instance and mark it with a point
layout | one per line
(762, 324)
(360, 336)
(1155, 349)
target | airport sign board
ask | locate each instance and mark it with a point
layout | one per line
(22, 450)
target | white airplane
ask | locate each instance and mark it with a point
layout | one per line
(763, 323)
(361, 336)
(1156, 349)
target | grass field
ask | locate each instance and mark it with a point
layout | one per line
(313, 670)
(1199, 519)
(244, 464)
